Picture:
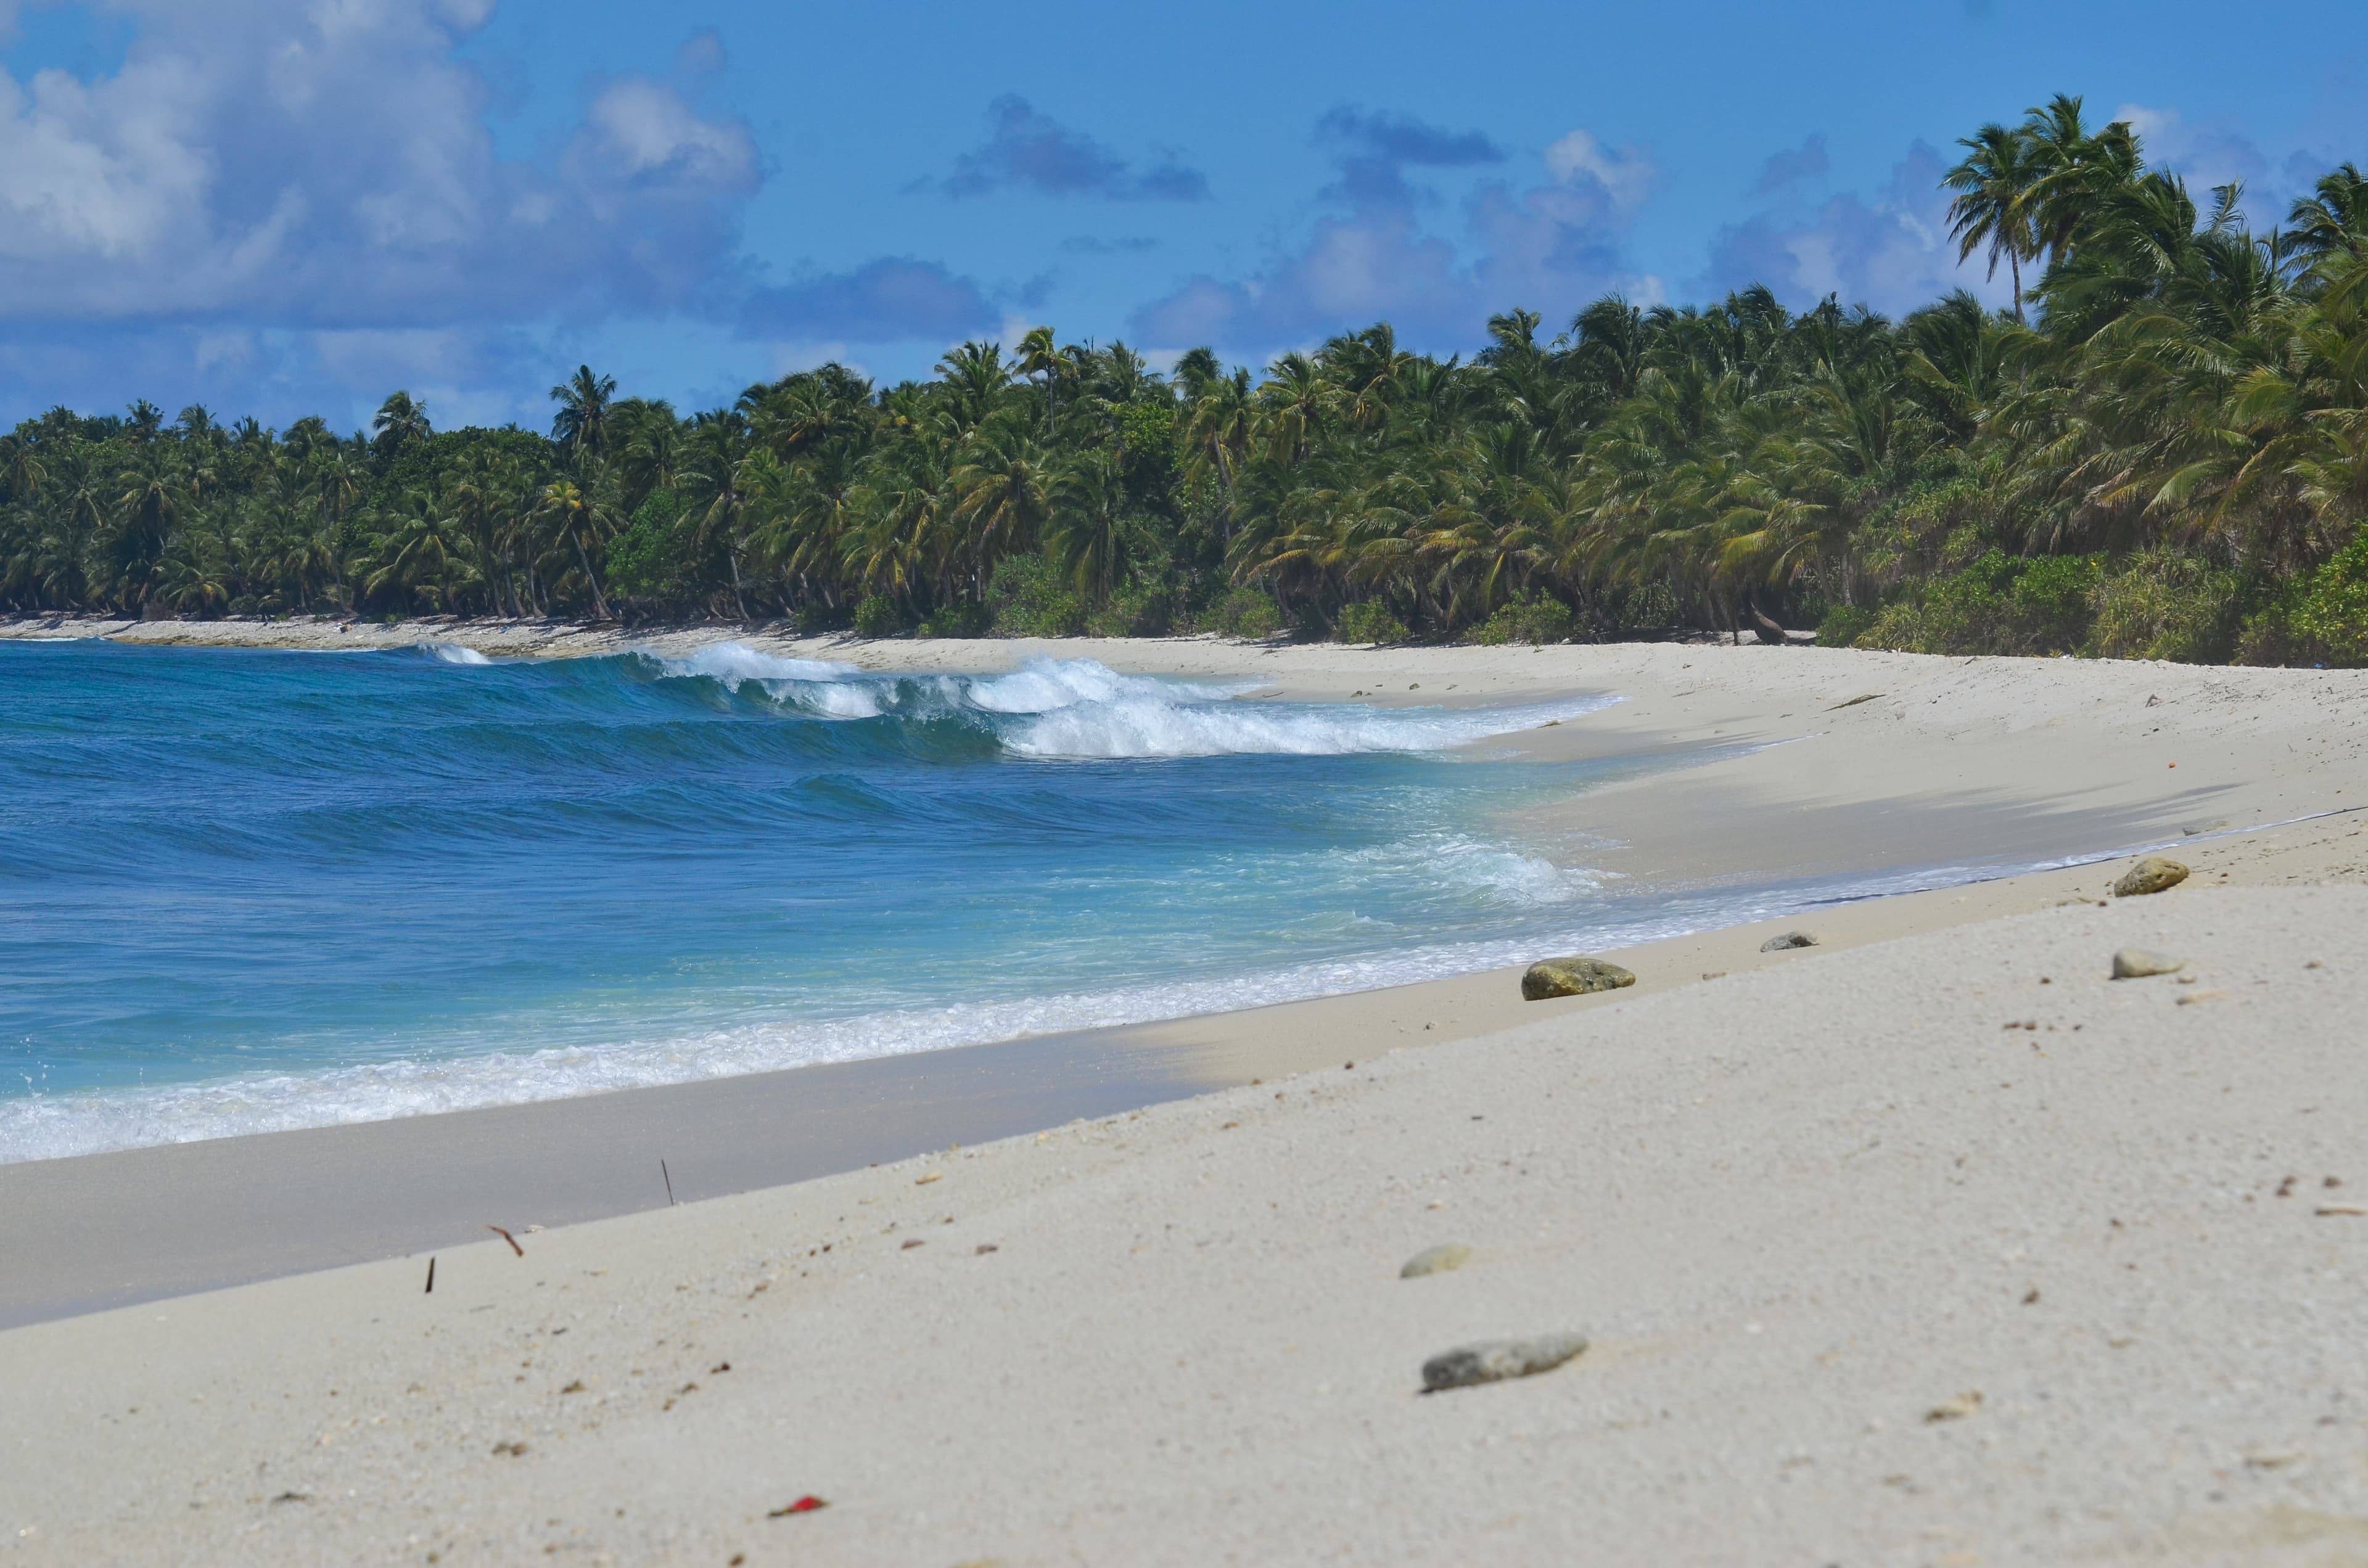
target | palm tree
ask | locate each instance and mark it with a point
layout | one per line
(2072, 170)
(581, 422)
(401, 420)
(1089, 535)
(972, 376)
(2332, 221)
(1040, 358)
(1992, 207)
(574, 518)
(1003, 494)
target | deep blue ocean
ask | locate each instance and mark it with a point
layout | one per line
(249, 890)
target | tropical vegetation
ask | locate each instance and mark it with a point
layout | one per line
(2157, 447)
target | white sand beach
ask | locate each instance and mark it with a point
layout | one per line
(1931, 1243)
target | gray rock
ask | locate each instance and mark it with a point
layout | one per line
(1440, 1259)
(1572, 977)
(1496, 1360)
(2152, 874)
(2136, 963)
(1789, 939)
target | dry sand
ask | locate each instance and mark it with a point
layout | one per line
(1800, 1208)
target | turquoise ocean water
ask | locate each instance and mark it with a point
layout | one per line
(248, 890)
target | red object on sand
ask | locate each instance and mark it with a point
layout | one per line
(805, 1504)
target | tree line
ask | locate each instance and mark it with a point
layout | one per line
(2159, 449)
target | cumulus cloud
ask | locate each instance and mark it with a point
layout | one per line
(258, 186)
(890, 300)
(1025, 150)
(1550, 247)
(1786, 169)
(1892, 251)
(329, 166)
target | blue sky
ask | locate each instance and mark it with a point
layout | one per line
(285, 206)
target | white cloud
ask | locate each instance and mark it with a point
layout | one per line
(327, 164)
(1625, 174)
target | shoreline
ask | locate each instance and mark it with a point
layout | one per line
(216, 1213)
(1943, 768)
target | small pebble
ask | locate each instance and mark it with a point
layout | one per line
(1440, 1260)
(1496, 1360)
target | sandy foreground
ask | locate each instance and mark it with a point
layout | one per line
(1806, 1205)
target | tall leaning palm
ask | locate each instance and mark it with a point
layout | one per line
(1991, 209)
(570, 513)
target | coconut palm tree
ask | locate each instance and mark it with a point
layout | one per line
(1991, 211)
(582, 423)
(575, 518)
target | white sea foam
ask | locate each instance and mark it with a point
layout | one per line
(1079, 709)
(1145, 725)
(734, 662)
(453, 653)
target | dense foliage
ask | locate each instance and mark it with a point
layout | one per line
(2161, 449)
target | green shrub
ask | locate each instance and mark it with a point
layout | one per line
(1651, 606)
(1135, 610)
(2321, 620)
(2000, 604)
(1370, 620)
(641, 559)
(1030, 596)
(1533, 617)
(1843, 625)
(963, 620)
(878, 615)
(816, 618)
(2162, 606)
(1247, 613)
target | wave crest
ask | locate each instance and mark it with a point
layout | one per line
(1077, 709)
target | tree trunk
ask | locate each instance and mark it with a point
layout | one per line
(599, 604)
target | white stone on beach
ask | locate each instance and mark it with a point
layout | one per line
(2136, 963)
(1493, 1360)
(1440, 1259)
(1789, 939)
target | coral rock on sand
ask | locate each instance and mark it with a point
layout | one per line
(1572, 977)
(2136, 963)
(1436, 1260)
(1789, 939)
(2152, 874)
(1494, 1359)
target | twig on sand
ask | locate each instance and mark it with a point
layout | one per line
(669, 1181)
(509, 1238)
(431, 1278)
